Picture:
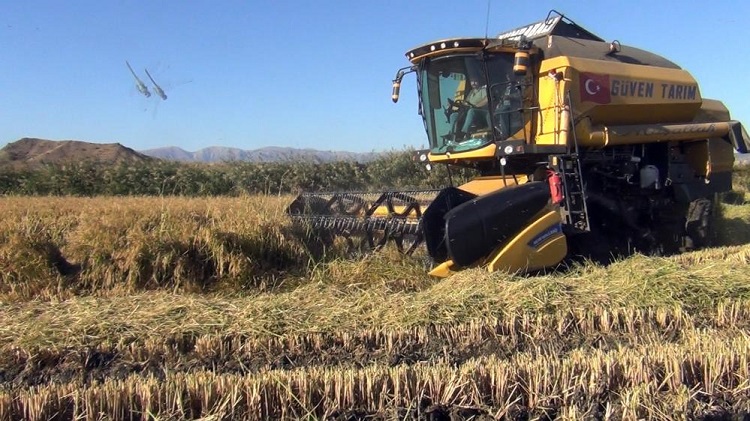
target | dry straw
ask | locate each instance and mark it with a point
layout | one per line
(654, 381)
(203, 295)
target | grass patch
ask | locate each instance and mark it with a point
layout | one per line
(691, 281)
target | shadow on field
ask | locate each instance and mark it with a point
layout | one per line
(730, 227)
(732, 220)
(732, 232)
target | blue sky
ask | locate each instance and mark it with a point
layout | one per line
(306, 74)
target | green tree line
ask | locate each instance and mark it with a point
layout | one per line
(394, 170)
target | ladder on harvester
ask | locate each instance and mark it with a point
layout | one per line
(575, 211)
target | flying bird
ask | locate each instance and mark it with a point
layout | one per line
(142, 86)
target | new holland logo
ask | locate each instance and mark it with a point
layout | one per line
(545, 235)
(595, 88)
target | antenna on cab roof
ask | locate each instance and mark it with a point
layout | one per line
(487, 23)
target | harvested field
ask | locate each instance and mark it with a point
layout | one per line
(174, 308)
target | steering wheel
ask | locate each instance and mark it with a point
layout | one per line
(459, 103)
(455, 106)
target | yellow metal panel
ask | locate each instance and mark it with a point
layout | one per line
(552, 100)
(555, 63)
(484, 185)
(542, 244)
(720, 156)
(484, 152)
(709, 157)
(633, 94)
(520, 254)
(712, 110)
(601, 136)
(382, 211)
(549, 254)
(443, 270)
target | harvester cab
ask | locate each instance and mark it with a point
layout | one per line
(470, 100)
(582, 147)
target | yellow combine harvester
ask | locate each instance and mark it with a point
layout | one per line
(583, 147)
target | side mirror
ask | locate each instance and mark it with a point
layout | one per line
(396, 90)
(397, 81)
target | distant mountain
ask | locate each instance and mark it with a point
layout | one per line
(31, 153)
(171, 153)
(268, 154)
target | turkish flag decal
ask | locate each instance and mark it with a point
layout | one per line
(595, 88)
